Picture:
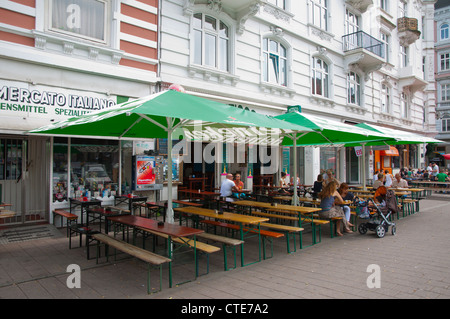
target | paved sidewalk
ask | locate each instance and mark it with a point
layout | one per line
(415, 263)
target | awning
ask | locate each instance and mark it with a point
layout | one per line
(393, 151)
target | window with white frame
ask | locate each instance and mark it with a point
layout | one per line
(87, 19)
(445, 92)
(353, 88)
(384, 4)
(402, 8)
(274, 62)
(385, 38)
(351, 22)
(404, 105)
(444, 60)
(279, 3)
(444, 31)
(445, 125)
(319, 13)
(403, 56)
(320, 77)
(385, 99)
(211, 42)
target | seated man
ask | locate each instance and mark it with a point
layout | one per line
(399, 182)
(379, 182)
(228, 187)
(442, 176)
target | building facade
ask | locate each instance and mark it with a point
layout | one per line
(349, 60)
(352, 61)
(442, 69)
(60, 58)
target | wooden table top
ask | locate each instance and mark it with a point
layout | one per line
(239, 218)
(173, 230)
(295, 209)
(163, 203)
(195, 191)
(269, 206)
(252, 203)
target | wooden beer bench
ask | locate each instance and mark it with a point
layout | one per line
(199, 246)
(226, 242)
(264, 233)
(134, 251)
(64, 214)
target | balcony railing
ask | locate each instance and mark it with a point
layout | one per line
(362, 40)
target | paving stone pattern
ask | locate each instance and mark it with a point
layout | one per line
(414, 264)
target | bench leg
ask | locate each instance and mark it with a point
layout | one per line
(225, 261)
(149, 286)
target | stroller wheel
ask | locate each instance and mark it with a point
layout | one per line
(393, 230)
(362, 228)
(381, 231)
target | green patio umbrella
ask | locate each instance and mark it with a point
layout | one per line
(159, 116)
(325, 132)
(401, 137)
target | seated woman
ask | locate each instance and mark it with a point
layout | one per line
(329, 197)
(346, 195)
(317, 187)
(283, 184)
(239, 186)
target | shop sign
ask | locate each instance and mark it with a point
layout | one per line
(358, 151)
(37, 101)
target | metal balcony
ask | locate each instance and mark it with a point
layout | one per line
(362, 40)
(363, 49)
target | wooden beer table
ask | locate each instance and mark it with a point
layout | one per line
(252, 223)
(171, 230)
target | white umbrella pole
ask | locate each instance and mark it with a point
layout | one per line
(169, 213)
(364, 165)
(295, 196)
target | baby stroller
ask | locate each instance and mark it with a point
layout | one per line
(377, 212)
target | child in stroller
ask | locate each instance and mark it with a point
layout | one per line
(377, 211)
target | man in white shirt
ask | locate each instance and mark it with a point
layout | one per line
(435, 170)
(429, 169)
(228, 187)
(399, 182)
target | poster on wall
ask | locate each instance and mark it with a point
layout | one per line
(145, 177)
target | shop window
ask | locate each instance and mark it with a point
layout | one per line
(328, 158)
(94, 167)
(10, 159)
(59, 176)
